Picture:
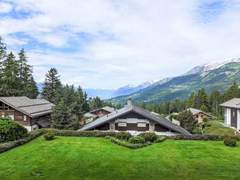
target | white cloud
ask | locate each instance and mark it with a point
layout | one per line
(5, 7)
(131, 40)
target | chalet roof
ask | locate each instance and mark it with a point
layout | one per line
(197, 111)
(106, 108)
(31, 107)
(131, 108)
(233, 103)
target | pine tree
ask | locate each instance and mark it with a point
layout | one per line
(28, 85)
(232, 92)
(95, 103)
(62, 117)
(187, 121)
(52, 86)
(3, 55)
(10, 77)
(214, 100)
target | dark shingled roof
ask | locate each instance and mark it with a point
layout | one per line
(131, 108)
(31, 107)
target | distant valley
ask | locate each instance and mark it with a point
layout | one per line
(212, 76)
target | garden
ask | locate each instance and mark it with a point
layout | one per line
(66, 154)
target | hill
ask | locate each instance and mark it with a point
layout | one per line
(217, 76)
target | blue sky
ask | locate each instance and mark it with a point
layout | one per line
(111, 43)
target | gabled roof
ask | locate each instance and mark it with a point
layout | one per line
(197, 111)
(131, 108)
(233, 103)
(31, 107)
(106, 108)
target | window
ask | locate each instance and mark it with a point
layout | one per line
(141, 125)
(24, 118)
(122, 124)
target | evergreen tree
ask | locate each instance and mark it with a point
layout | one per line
(95, 103)
(3, 55)
(187, 121)
(62, 117)
(232, 92)
(214, 100)
(10, 77)
(28, 85)
(52, 86)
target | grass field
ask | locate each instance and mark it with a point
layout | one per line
(97, 158)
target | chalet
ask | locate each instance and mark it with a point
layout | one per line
(199, 115)
(97, 113)
(134, 120)
(30, 113)
(232, 113)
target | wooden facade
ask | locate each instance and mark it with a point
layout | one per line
(24, 119)
(132, 122)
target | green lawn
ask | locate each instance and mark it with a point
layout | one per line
(97, 158)
(216, 128)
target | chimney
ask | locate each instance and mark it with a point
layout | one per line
(129, 101)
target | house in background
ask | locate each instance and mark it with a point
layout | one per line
(134, 120)
(30, 113)
(232, 113)
(97, 113)
(199, 115)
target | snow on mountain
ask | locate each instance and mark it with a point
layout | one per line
(211, 66)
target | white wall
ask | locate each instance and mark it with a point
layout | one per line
(227, 116)
(238, 119)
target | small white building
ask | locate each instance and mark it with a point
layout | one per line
(232, 113)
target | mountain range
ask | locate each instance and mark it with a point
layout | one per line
(122, 91)
(212, 76)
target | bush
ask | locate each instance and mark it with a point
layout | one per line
(204, 137)
(49, 136)
(230, 141)
(12, 144)
(123, 135)
(160, 139)
(126, 143)
(137, 140)
(149, 136)
(11, 131)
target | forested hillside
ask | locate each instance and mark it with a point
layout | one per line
(181, 87)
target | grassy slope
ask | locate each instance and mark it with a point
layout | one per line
(216, 128)
(97, 158)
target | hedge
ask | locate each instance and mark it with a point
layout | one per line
(11, 131)
(12, 144)
(81, 133)
(127, 144)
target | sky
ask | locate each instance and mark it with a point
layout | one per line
(107, 44)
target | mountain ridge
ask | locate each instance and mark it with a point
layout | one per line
(212, 76)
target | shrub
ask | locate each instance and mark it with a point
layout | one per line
(10, 130)
(160, 139)
(123, 135)
(49, 136)
(127, 144)
(230, 141)
(137, 140)
(187, 121)
(149, 136)
(12, 144)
